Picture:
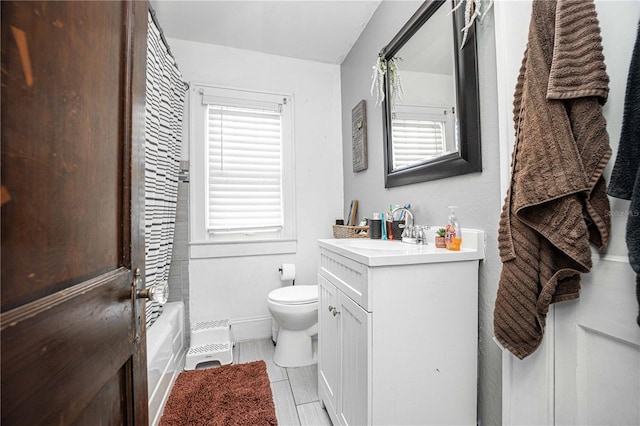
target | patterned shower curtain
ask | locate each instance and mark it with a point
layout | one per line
(164, 112)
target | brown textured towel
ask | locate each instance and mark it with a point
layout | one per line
(557, 202)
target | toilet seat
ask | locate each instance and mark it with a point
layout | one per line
(295, 295)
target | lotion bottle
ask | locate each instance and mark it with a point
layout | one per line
(452, 237)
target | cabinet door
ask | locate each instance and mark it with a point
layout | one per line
(354, 397)
(328, 345)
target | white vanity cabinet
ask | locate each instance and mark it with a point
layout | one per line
(398, 334)
(345, 368)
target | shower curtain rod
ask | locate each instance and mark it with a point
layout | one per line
(164, 40)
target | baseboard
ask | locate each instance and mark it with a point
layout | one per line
(254, 328)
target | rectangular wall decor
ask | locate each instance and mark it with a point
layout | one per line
(359, 136)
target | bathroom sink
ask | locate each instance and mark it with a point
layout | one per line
(380, 245)
(382, 253)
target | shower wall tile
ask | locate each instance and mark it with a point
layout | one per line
(185, 297)
(179, 269)
(180, 243)
(175, 281)
(185, 279)
(182, 213)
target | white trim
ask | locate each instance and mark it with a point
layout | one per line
(528, 385)
(197, 188)
(509, 46)
(233, 89)
(596, 257)
(241, 248)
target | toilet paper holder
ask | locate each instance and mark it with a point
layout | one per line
(287, 272)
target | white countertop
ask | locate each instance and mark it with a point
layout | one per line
(386, 253)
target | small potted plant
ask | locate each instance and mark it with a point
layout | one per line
(440, 243)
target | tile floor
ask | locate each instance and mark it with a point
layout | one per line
(295, 390)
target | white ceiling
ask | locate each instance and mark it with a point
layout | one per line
(322, 31)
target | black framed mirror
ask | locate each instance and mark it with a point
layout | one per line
(433, 130)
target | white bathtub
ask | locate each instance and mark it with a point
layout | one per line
(166, 351)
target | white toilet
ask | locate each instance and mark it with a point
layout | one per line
(295, 309)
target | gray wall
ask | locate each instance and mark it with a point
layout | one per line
(477, 195)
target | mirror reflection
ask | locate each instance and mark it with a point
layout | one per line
(431, 126)
(423, 119)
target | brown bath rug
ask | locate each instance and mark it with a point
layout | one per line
(237, 394)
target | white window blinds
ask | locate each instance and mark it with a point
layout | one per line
(415, 140)
(244, 167)
(420, 133)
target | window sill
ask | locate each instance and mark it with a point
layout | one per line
(241, 248)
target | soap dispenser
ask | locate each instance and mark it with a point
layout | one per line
(453, 237)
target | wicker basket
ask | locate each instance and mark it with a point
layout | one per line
(344, 231)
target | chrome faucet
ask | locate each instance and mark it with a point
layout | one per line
(412, 233)
(421, 234)
(409, 221)
(409, 228)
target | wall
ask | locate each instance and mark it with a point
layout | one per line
(236, 287)
(435, 89)
(477, 195)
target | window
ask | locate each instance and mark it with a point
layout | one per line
(420, 133)
(245, 169)
(242, 142)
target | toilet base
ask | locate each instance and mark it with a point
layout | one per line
(294, 349)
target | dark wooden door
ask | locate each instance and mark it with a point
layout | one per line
(73, 346)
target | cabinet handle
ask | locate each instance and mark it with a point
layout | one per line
(335, 312)
(331, 308)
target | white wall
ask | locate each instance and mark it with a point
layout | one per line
(423, 88)
(237, 287)
(477, 195)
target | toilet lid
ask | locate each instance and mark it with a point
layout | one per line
(295, 294)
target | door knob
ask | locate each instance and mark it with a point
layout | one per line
(155, 293)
